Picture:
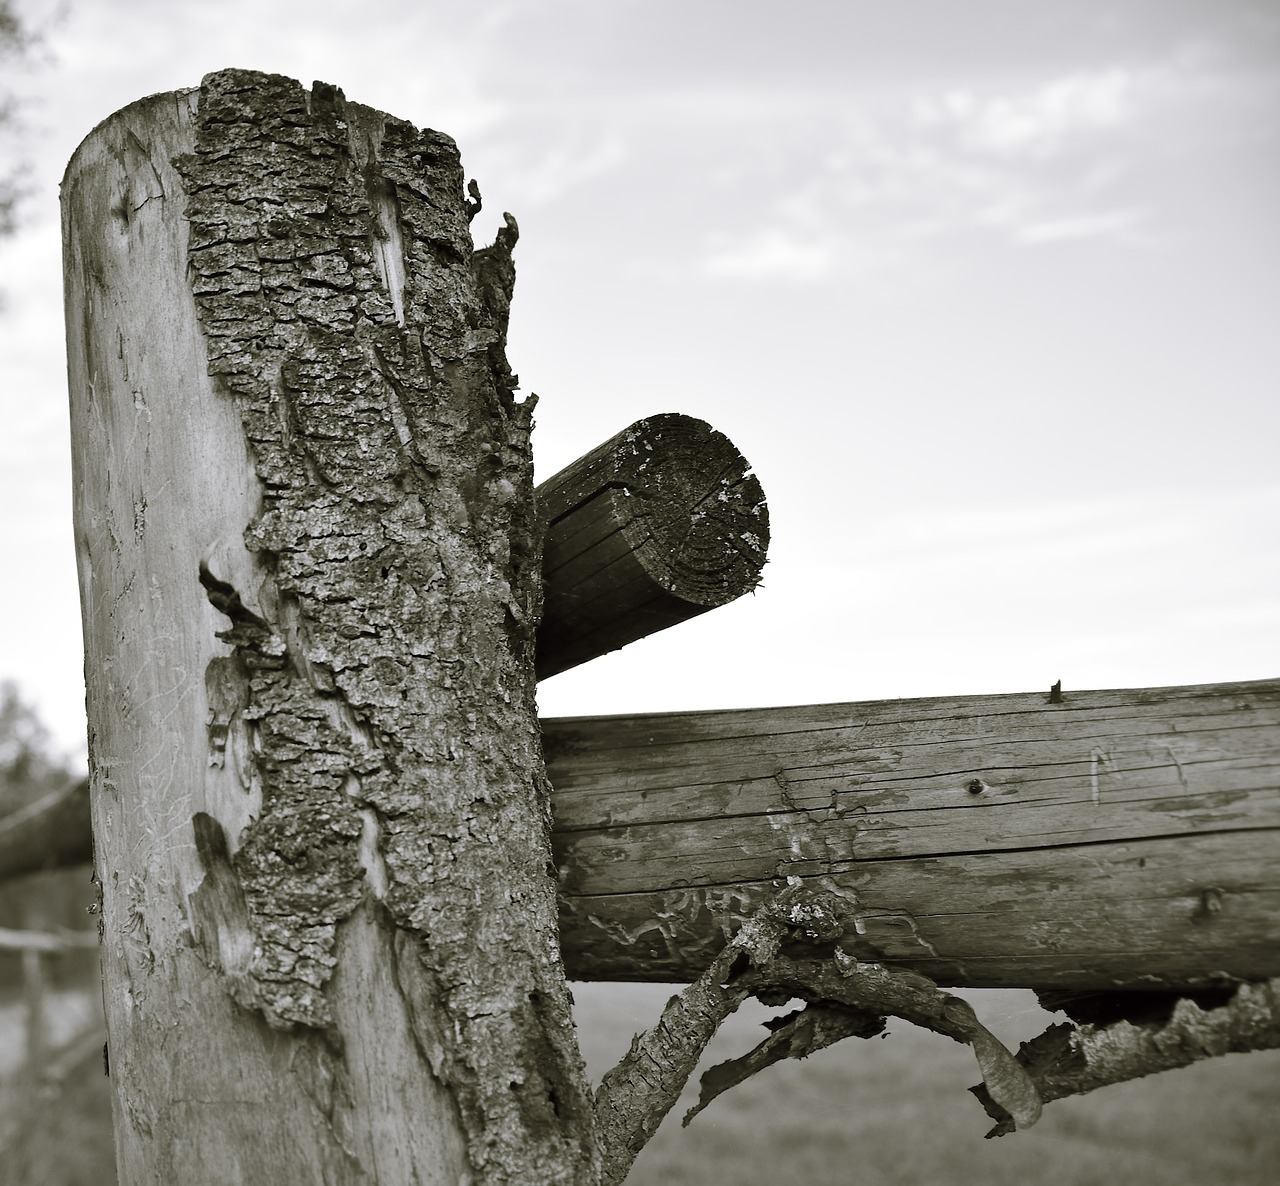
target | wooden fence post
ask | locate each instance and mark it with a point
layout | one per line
(308, 562)
(33, 990)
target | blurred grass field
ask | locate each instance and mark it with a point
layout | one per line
(885, 1112)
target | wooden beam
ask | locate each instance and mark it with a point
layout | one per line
(657, 525)
(1115, 839)
(45, 942)
(49, 833)
(1118, 839)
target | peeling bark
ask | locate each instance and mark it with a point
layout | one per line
(353, 827)
(797, 1035)
(786, 950)
(1070, 1060)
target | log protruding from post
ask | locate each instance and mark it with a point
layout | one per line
(657, 525)
(681, 471)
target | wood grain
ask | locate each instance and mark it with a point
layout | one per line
(657, 525)
(307, 550)
(1114, 839)
(1117, 838)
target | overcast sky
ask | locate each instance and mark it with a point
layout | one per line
(988, 293)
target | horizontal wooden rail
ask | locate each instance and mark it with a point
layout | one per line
(51, 832)
(1119, 839)
(46, 942)
(660, 523)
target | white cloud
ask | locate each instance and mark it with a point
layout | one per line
(1084, 226)
(1151, 536)
(1037, 122)
(1032, 166)
(772, 254)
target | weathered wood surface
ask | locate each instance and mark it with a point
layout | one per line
(657, 525)
(306, 536)
(1120, 836)
(1116, 839)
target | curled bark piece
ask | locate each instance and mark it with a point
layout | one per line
(914, 998)
(798, 1035)
(851, 998)
(657, 525)
(1004, 1078)
(1073, 1060)
(816, 919)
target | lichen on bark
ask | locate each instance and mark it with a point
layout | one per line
(388, 655)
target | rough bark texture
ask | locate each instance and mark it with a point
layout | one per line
(310, 586)
(635, 1096)
(1118, 839)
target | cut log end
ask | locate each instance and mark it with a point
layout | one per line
(695, 513)
(657, 525)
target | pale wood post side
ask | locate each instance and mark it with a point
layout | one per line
(307, 553)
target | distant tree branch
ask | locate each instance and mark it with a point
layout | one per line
(12, 35)
(15, 42)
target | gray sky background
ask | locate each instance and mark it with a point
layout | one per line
(988, 293)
